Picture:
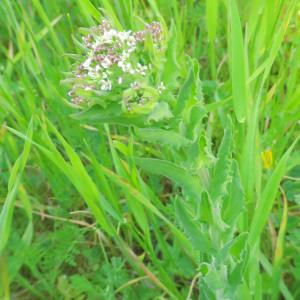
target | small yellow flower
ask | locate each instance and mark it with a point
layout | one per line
(267, 159)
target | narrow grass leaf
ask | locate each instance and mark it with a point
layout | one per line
(89, 8)
(238, 66)
(279, 250)
(13, 185)
(262, 212)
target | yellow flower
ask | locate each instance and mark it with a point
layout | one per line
(267, 159)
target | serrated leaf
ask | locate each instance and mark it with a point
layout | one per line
(199, 239)
(222, 168)
(239, 245)
(191, 91)
(240, 251)
(185, 91)
(215, 211)
(216, 279)
(196, 115)
(234, 247)
(234, 202)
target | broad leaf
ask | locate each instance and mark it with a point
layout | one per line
(179, 175)
(199, 239)
(162, 137)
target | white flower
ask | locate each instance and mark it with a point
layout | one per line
(92, 73)
(120, 80)
(129, 68)
(125, 55)
(135, 85)
(106, 63)
(121, 64)
(161, 87)
(87, 63)
(106, 85)
(141, 69)
(126, 67)
(108, 35)
(124, 35)
(104, 75)
(131, 43)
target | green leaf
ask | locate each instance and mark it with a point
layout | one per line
(13, 185)
(141, 198)
(111, 114)
(216, 212)
(205, 209)
(234, 202)
(194, 123)
(199, 239)
(185, 92)
(216, 279)
(89, 8)
(162, 137)
(78, 175)
(264, 207)
(135, 207)
(171, 66)
(222, 168)
(238, 66)
(190, 184)
(239, 245)
(161, 111)
(212, 18)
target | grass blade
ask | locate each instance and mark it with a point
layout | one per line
(13, 185)
(238, 65)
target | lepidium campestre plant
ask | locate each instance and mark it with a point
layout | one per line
(115, 83)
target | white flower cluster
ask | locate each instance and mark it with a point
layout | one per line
(111, 57)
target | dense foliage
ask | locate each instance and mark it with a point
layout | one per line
(149, 149)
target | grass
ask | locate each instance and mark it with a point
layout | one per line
(195, 196)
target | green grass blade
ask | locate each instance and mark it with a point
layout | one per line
(13, 185)
(238, 64)
(262, 212)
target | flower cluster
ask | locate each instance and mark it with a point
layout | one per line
(113, 60)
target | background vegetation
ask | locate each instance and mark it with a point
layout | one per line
(203, 205)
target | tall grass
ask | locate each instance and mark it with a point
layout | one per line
(203, 205)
